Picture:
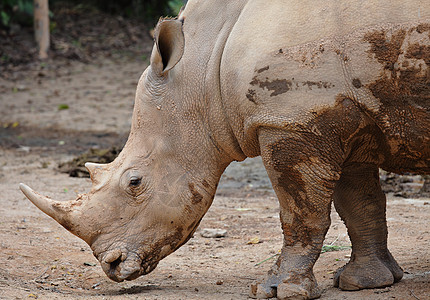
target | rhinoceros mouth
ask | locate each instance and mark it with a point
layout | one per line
(120, 266)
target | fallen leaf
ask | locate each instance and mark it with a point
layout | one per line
(255, 240)
(63, 106)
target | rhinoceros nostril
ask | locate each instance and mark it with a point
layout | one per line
(113, 265)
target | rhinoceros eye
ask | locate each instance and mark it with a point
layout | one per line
(135, 181)
(135, 185)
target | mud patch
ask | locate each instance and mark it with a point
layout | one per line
(282, 86)
(386, 50)
(251, 95)
(356, 83)
(197, 197)
(298, 231)
(277, 86)
(263, 69)
(403, 89)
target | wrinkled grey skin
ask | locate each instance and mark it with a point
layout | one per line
(325, 92)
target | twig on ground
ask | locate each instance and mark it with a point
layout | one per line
(413, 295)
(271, 257)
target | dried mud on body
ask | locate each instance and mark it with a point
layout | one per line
(40, 259)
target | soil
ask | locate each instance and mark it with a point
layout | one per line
(52, 112)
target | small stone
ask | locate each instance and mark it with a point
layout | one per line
(213, 233)
(21, 87)
(96, 286)
(219, 282)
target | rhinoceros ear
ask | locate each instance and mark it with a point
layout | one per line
(169, 45)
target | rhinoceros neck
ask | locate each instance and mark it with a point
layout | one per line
(207, 26)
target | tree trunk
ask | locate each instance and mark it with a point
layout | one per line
(425, 190)
(41, 27)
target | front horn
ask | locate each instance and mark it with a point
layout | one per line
(60, 211)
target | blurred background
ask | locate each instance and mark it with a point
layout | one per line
(76, 105)
(79, 29)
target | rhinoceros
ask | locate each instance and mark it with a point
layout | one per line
(326, 92)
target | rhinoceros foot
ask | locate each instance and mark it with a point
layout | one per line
(289, 287)
(368, 272)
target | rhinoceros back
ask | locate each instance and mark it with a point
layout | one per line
(285, 61)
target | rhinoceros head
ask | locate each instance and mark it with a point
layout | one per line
(151, 198)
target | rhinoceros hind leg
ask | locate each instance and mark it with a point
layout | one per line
(371, 273)
(361, 204)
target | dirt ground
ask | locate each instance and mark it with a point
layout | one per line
(49, 114)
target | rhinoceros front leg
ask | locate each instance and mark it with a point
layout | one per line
(303, 171)
(360, 202)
